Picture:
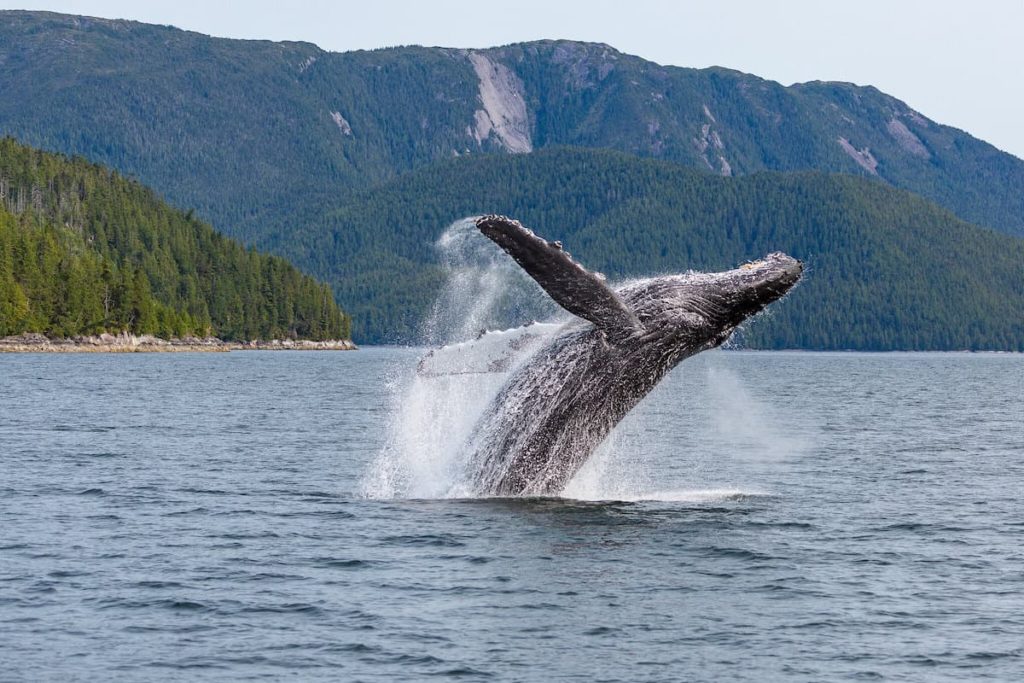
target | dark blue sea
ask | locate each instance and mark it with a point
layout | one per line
(282, 515)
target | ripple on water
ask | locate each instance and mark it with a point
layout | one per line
(352, 564)
(422, 540)
(158, 546)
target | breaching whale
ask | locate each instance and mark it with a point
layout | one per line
(580, 381)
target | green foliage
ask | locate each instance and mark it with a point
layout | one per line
(886, 268)
(260, 137)
(251, 133)
(83, 251)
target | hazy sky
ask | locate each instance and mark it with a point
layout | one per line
(960, 63)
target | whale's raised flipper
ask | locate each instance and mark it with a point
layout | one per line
(572, 286)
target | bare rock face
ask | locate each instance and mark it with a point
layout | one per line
(863, 157)
(710, 141)
(504, 108)
(586, 65)
(341, 123)
(907, 140)
(27, 338)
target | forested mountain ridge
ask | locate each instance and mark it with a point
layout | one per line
(345, 163)
(252, 132)
(84, 250)
(887, 270)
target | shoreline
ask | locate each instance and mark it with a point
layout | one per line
(130, 343)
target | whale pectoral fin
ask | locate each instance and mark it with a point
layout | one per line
(572, 286)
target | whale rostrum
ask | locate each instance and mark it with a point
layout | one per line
(578, 382)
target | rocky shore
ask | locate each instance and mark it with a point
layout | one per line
(130, 343)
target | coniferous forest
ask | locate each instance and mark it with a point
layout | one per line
(84, 250)
(886, 269)
(350, 165)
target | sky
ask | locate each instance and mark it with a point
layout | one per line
(959, 63)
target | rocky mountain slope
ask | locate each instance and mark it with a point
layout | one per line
(248, 132)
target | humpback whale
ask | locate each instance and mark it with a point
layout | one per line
(557, 406)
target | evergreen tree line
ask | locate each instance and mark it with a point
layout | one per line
(886, 269)
(84, 250)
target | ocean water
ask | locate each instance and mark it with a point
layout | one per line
(762, 516)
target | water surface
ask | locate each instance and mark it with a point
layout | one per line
(765, 516)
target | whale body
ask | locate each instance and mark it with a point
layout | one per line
(581, 380)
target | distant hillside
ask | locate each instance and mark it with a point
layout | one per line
(84, 251)
(886, 268)
(250, 133)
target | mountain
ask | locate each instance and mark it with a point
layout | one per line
(351, 164)
(84, 250)
(255, 133)
(887, 269)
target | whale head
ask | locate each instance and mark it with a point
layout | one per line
(705, 308)
(745, 291)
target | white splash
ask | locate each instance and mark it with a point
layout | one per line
(485, 289)
(701, 437)
(745, 427)
(431, 419)
(433, 413)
